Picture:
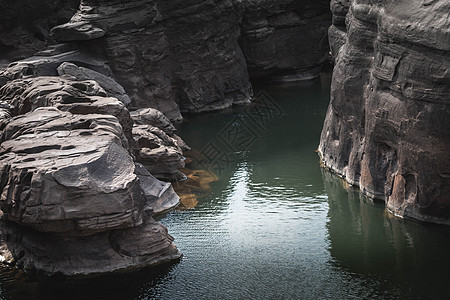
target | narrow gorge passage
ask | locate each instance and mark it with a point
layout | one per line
(276, 225)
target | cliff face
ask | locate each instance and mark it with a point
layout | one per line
(192, 56)
(387, 125)
(277, 38)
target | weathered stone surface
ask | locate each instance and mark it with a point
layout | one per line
(210, 71)
(160, 153)
(25, 26)
(68, 173)
(146, 245)
(46, 63)
(64, 176)
(157, 145)
(153, 117)
(184, 55)
(78, 97)
(386, 129)
(134, 44)
(160, 195)
(285, 39)
(111, 87)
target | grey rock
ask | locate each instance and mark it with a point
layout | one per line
(78, 97)
(386, 129)
(72, 198)
(205, 67)
(111, 87)
(134, 44)
(68, 173)
(110, 251)
(158, 152)
(160, 195)
(286, 40)
(157, 145)
(210, 71)
(153, 117)
(46, 63)
(25, 26)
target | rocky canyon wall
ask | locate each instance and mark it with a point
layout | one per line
(277, 37)
(387, 126)
(87, 92)
(193, 56)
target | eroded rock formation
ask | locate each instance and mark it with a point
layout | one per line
(69, 179)
(79, 173)
(387, 125)
(25, 26)
(68, 184)
(192, 56)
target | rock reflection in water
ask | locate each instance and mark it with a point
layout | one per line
(391, 257)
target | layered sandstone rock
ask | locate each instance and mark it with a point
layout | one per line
(210, 71)
(25, 26)
(78, 97)
(73, 199)
(277, 38)
(386, 129)
(160, 153)
(337, 33)
(68, 173)
(68, 185)
(187, 55)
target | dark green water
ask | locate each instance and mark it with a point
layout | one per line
(276, 225)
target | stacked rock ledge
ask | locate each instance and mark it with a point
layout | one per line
(386, 128)
(70, 181)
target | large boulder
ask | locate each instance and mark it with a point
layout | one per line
(192, 56)
(72, 200)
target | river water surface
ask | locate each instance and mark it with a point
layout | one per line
(276, 225)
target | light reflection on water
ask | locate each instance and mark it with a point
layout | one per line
(277, 226)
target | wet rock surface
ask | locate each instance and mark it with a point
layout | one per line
(386, 129)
